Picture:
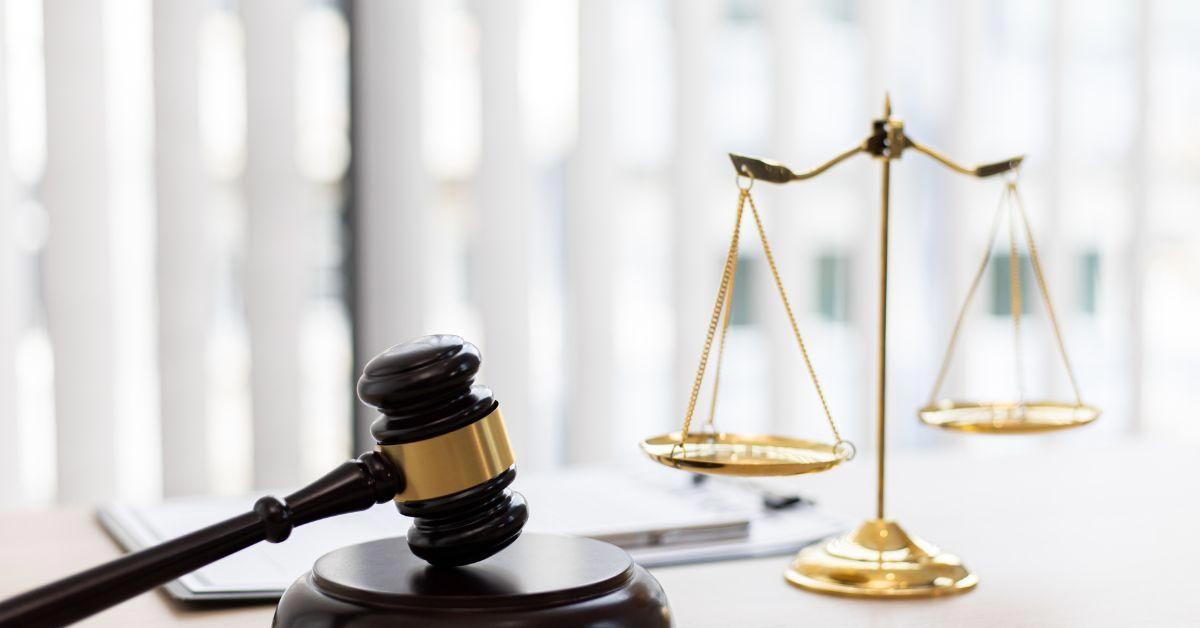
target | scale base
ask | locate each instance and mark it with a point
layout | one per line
(879, 560)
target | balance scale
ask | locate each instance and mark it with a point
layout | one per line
(878, 559)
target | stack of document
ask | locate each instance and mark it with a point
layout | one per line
(661, 517)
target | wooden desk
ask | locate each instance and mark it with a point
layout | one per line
(1066, 535)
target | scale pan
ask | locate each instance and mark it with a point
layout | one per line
(745, 455)
(1007, 418)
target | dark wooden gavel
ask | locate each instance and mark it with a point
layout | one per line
(443, 456)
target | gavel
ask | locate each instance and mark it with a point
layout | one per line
(443, 456)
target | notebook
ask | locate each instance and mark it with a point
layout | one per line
(661, 517)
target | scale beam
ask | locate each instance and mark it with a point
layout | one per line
(889, 133)
(768, 170)
(981, 171)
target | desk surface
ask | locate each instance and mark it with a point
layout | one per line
(1060, 536)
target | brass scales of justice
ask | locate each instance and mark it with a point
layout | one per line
(878, 559)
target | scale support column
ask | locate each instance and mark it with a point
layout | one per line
(881, 359)
(879, 559)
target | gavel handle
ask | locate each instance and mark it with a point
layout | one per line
(354, 485)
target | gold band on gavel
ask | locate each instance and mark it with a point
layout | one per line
(454, 461)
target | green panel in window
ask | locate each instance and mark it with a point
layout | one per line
(1089, 297)
(1001, 295)
(743, 292)
(833, 302)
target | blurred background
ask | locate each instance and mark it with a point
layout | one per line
(213, 213)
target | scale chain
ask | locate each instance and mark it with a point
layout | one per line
(787, 306)
(962, 312)
(1014, 294)
(724, 305)
(728, 306)
(1012, 198)
(1035, 261)
(722, 292)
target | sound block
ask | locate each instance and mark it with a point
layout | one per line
(540, 580)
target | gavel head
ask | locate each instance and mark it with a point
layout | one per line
(447, 439)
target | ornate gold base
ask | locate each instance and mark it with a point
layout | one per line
(879, 560)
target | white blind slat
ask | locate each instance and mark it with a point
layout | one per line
(78, 286)
(277, 220)
(184, 294)
(128, 75)
(1139, 242)
(501, 242)
(594, 431)
(694, 167)
(10, 303)
(392, 196)
(793, 249)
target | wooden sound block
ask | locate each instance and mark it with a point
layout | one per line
(540, 580)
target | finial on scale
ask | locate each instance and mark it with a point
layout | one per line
(887, 105)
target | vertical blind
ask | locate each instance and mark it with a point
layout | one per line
(192, 266)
